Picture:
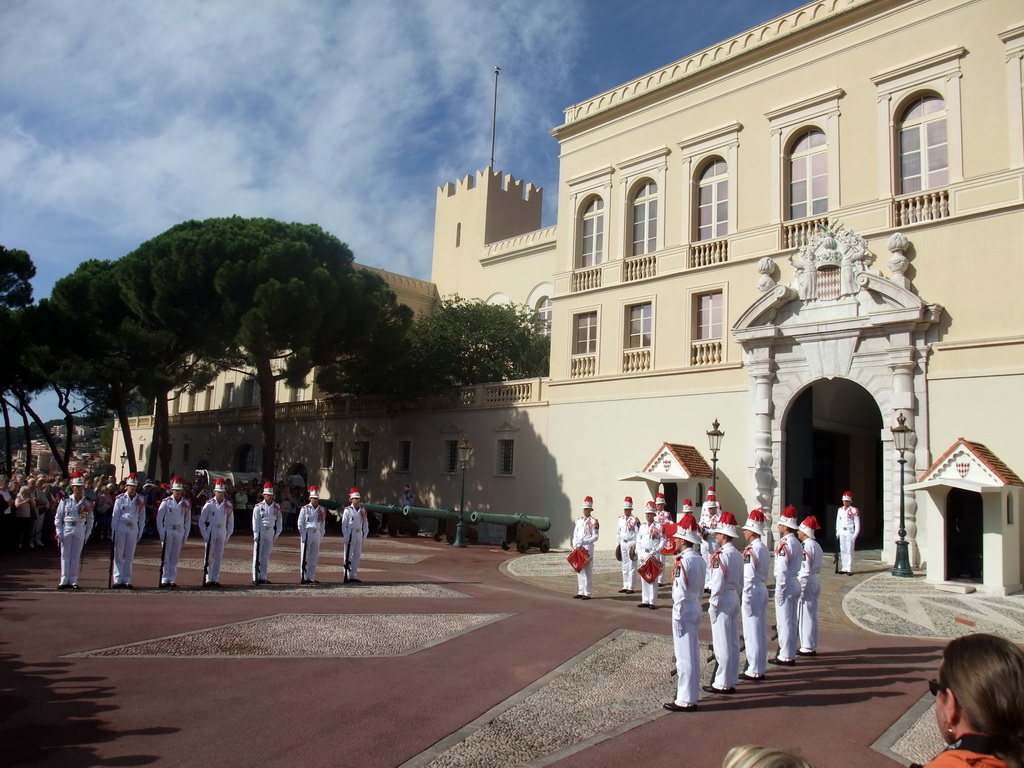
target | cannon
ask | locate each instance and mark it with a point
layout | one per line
(442, 516)
(523, 530)
(393, 519)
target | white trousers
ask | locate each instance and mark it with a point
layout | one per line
(755, 629)
(725, 637)
(171, 552)
(125, 541)
(649, 592)
(309, 552)
(809, 593)
(628, 569)
(786, 619)
(261, 548)
(70, 555)
(218, 537)
(687, 648)
(847, 542)
(354, 551)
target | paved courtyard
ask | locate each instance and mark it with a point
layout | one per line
(442, 657)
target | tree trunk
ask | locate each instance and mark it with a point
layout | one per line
(160, 445)
(64, 403)
(268, 420)
(61, 460)
(126, 429)
(7, 438)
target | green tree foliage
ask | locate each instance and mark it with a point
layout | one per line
(16, 270)
(467, 342)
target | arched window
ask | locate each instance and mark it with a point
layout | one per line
(544, 313)
(592, 234)
(808, 175)
(713, 201)
(645, 219)
(924, 162)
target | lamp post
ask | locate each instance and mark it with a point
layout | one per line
(715, 436)
(356, 452)
(465, 451)
(124, 458)
(901, 434)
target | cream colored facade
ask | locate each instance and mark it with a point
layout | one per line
(770, 257)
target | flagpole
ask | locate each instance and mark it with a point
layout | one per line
(494, 115)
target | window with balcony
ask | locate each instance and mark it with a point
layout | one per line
(808, 175)
(585, 338)
(591, 250)
(645, 219)
(638, 326)
(923, 146)
(713, 200)
(706, 346)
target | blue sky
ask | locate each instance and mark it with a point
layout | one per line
(119, 119)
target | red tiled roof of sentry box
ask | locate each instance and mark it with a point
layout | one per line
(688, 457)
(994, 464)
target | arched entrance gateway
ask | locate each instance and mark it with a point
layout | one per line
(833, 356)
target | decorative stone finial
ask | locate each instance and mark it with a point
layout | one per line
(897, 246)
(766, 266)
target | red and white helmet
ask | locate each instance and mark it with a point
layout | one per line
(809, 526)
(788, 518)
(687, 506)
(756, 522)
(268, 489)
(728, 525)
(220, 485)
(847, 496)
(314, 492)
(627, 503)
(687, 529)
(177, 484)
(588, 502)
(77, 478)
(711, 494)
(659, 498)
(354, 494)
(132, 480)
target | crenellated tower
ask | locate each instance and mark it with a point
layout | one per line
(472, 213)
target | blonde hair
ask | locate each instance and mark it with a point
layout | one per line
(986, 676)
(753, 756)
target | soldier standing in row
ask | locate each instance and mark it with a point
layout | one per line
(724, 606)
(216, 524)
(73, 522)
(267, 523)
(788, 556)
(709, 516)
(847, 529)
(625, 545)
(650, 542)
(687, 588)
(755, 596)
(810, 587)
(354, 529)
(585, 534)
(127, 524)
(312, 527)
(173, 521)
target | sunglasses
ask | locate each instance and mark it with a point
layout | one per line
(935, 686)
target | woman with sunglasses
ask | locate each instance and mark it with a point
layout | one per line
(979, 703)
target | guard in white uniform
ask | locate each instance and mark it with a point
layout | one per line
(847, 529)
(312, 528)
(267, 524)
(788, 556)
(709, 517)
(127, 524)
(173, 521)
(585, 534)
(687, 588)
(73, 522)
(354, 529)
(755, 596)
(650, 542)
(625, 543)
(810, 587)
(724, 606)
(216, 524)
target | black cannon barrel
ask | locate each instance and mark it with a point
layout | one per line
(383, 509)
(436, 514)
(540, 523)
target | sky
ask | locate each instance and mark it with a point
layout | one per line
(120, 118)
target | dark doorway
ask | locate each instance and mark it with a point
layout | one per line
(671, 499)
(832, 446)
(964, 518)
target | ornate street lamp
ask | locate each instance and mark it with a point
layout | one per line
(465, 451)
(901, 435)
(124, 458)
(715, 436)
(356, 452)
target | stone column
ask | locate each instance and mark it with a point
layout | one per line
(761, 424)
(903, 401)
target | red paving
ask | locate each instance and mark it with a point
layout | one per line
(384, 711)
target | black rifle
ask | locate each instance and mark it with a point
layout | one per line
(348, 552)
(256, 556)
(206, 557)
(304, 555)
(163, 556)
(837, 552)
(110, 572)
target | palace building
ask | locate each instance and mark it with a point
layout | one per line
(811, 233)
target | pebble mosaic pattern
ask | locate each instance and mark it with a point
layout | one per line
(618, 683)
(282, 589)
(888, 605)
(554, 564)
(310, 635)
(922, 741)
